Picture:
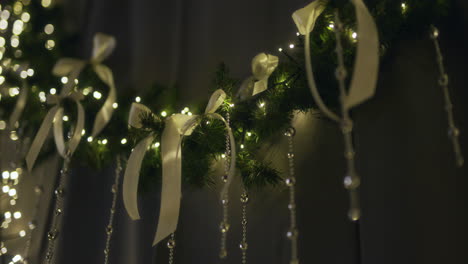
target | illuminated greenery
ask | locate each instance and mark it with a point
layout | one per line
(255, 122)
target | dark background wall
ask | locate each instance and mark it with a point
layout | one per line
(413, 197)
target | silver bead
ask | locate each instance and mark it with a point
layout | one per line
(51, 235)
(243, 245)
(49, 256)
(291, 206)
(225, 201)
(291, 181)
(223, 253)
(350, 182)
(38, 190)
(354, 214)
(58, 211)
(109, 230)
(59, 192)
(32, 224)
(443, 80)
(435, 33)
(454, 132)
(114, 188)
(106, 251)
(290, 132)
(224, 178)
(290, 155)
(171, 243)
(224, 227)
(244, 198)
(292, 233)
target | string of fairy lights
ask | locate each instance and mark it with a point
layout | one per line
(15, 19)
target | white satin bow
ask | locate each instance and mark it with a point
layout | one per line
(176, 127)
(103, 45)
(263, 66)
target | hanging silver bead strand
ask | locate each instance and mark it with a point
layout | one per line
(171, 244)
(290, 182)
(110, 224)
(453, 131)
(352, 179)
(243, 244)
(224, 225)
(58, 210)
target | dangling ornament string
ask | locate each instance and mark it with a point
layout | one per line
(352, 179)
(224, 225)
(453, 131)
(293, 232)
(243, 244)
(110, 224)
(57, 213)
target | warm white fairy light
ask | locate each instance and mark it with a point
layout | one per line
(5, 188)
(87, 90)
(17, 215)
(2, 79)
(12, 192)
(50, 44)
(2, 125)
(30, 72)
(7, 215)
(22, 233)
(12, 202)
(123, 141)
(42, 97)
(404, 7)
(261, 104)
(249, 134)
(231, 105)
(89, 139)
(18, 27)
(64, 79)
(5, 175)
(138, 99)
(13, 91)
(49, 29)
(4, 250)
(189, 113)
(163, 113)
(65, 118)
(157, 144)
(25, 17)
(14, 175)
(242, 146)
(97, 95)
(354, 35)
(104, 141)
(24, 74)
(13, 136)
(298, 34)
(14, 41)
(5, 14)
(83, 132)
(223, 156)
(3, 24)
(53, 91)
(291, 46)
(280, 49)
(115, 105)
(17, 257)
(46, 3)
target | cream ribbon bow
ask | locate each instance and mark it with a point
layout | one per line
(177, 126)
(103, 45)
(366, 64)
(54, 116)
(262, 66)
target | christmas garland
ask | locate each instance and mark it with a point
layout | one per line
(254, 122)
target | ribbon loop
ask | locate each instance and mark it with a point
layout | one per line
(176, 128)
(263, 66)
(54, 117)
(305, 18)
(103, 45)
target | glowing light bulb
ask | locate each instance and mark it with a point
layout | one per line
(223, 156)
(157, 144)
(7, 215)
(291, 46)
(83, 132)
(17, 215)
(64, 79)
(53, 91)
(354, 35)
(5, 175)
(189, 113)
(115, 105)
(49, 29)
(97, 95)
(87, 90)
(138, 99)
(89, 139)
(163, 113)
(22, 233)
(14, 175)
(2, 125)
(42, 97)
(5, 188)
(280, 49)
(46, 3)
(104, 141)
(12, 192)
(25, 17)
(30, 72)
(123, 141)
(17, 257)
(249, 134)
(65, 118)
(262, 104)
(231, 105)
(297, 34)
(242, 146)
(50, 44)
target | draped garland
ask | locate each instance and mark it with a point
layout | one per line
(255, 121)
